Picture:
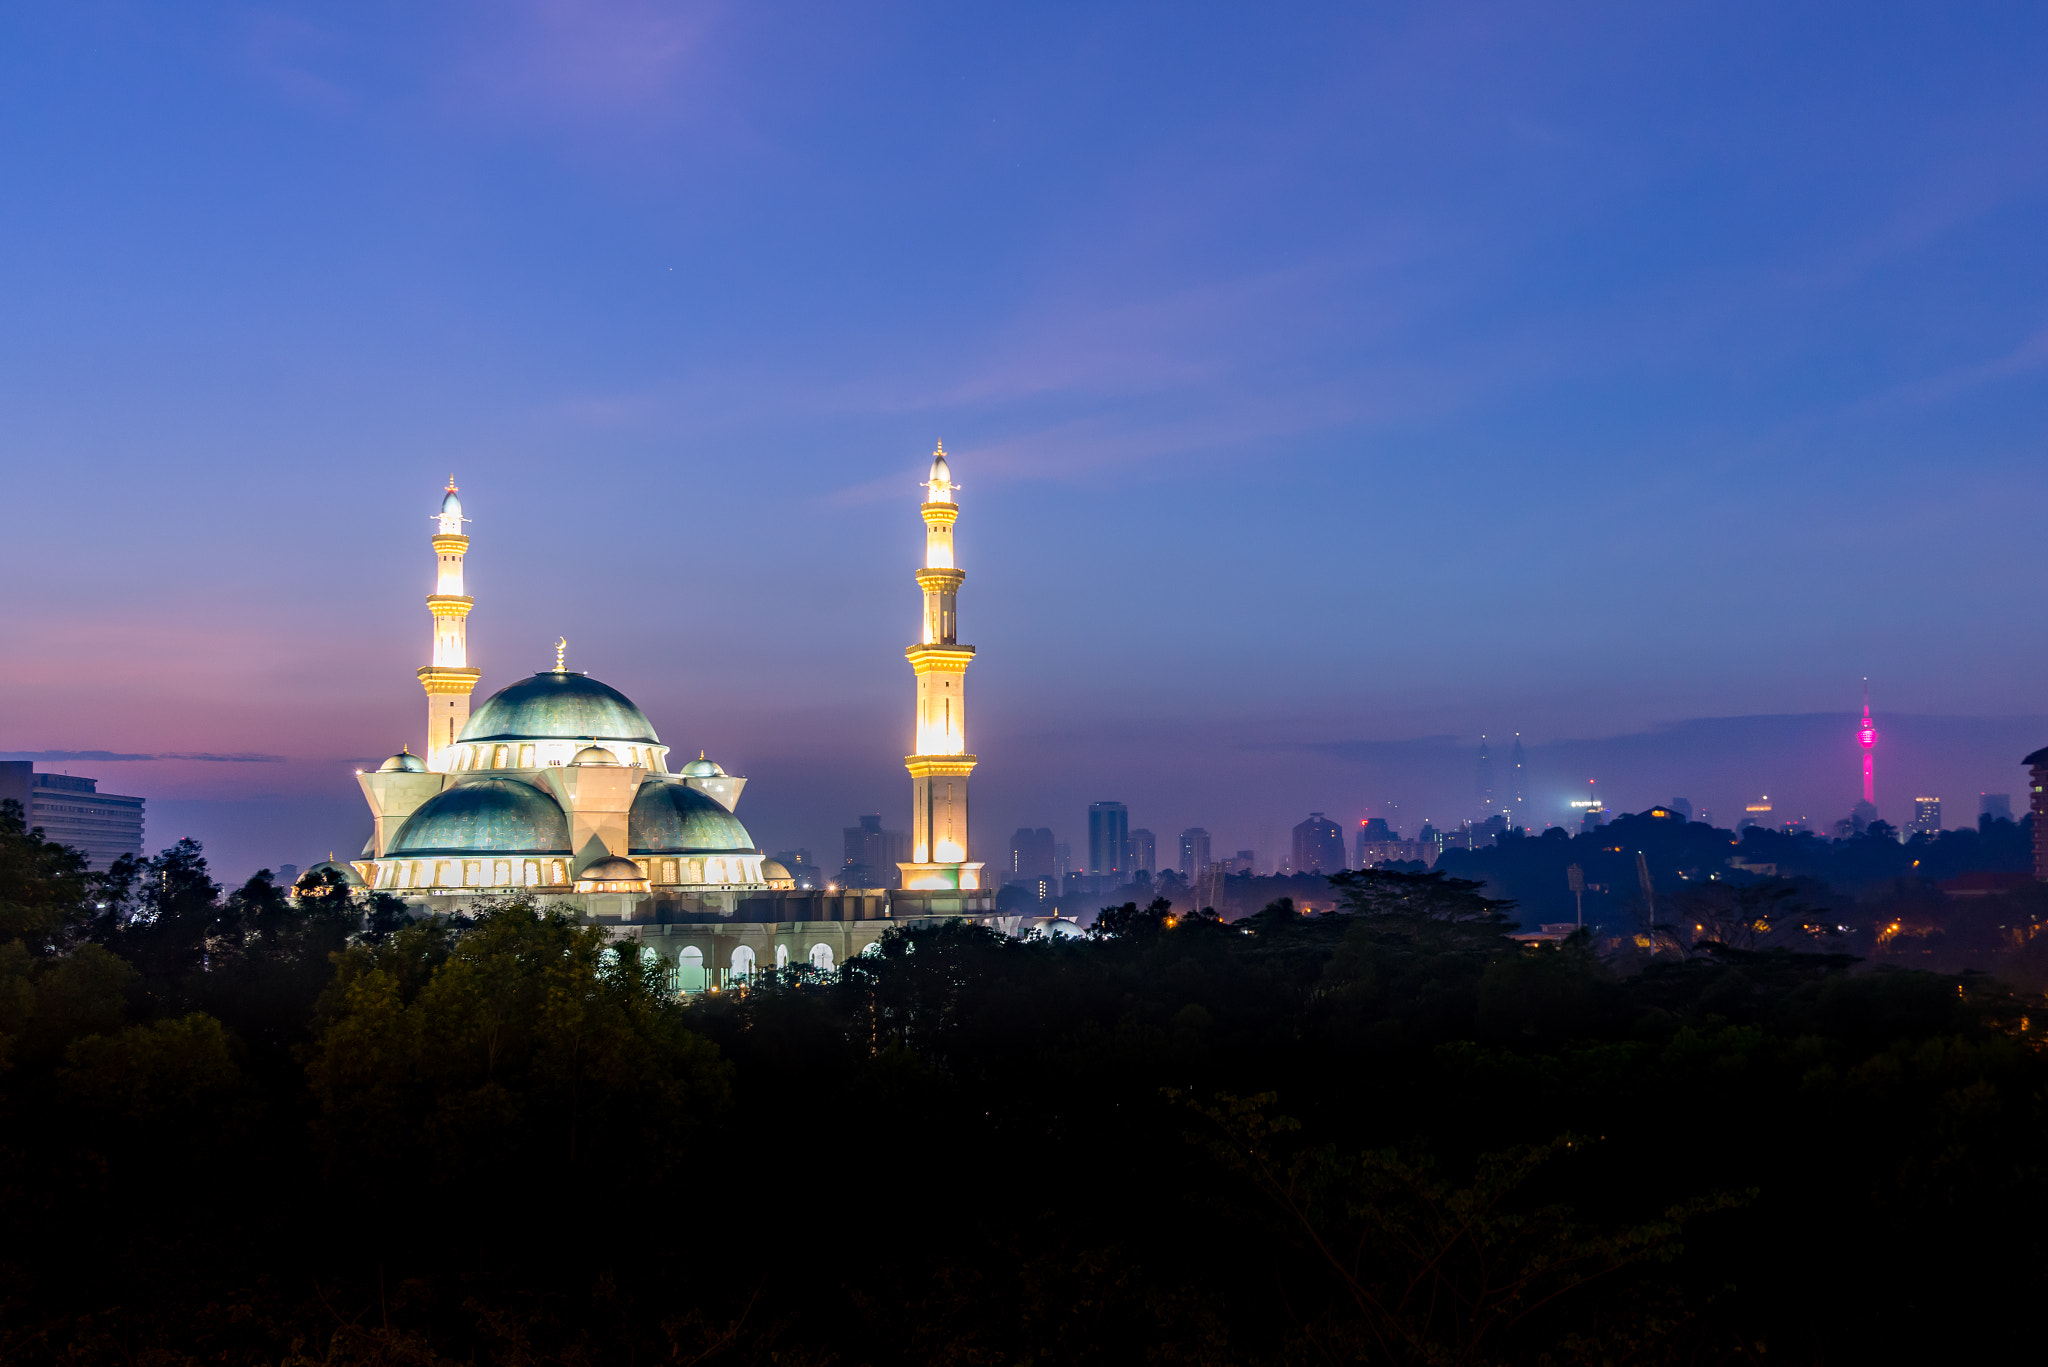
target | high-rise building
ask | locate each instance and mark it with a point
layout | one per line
(2037, 802)
(873, 854)
(1926, 816)
(1062, 860)
(1485, 785)
(73, 811)
(1318, 845)
(1242, 862)
(1143, 852)
(1194, 852)
(1994, 806)
(1682, 807)
(1031, 855)
(1109, 839)
(1373, 832)
(1757, 813)
(938, 771)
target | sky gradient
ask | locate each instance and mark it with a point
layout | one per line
(1328, 385)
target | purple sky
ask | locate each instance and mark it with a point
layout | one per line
(1330, 384)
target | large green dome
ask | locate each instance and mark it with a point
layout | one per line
(487, 816)
(673, 818)
(564, 706)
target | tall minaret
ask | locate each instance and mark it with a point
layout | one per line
(939, 769)
(448, 680)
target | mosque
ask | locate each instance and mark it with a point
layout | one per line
(559, 786)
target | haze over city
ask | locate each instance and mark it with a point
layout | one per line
(1325, 394)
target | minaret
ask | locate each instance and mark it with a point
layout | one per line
(939, 769)
(1866, 736)
(448, 680)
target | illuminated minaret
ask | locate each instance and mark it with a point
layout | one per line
(1866, 736)
(939, 769)
(448, 680)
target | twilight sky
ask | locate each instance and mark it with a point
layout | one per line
(1329, 383)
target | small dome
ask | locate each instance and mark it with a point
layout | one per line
(485, 816)
(451, 505)
(612, 869)
(595, 754)
(701, 767)
(404, 762)
(349, 877)
(772, 869)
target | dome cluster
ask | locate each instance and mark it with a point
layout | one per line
(526, 761)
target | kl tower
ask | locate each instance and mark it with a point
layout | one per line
(448, 680)
(939, 769)
(1866, 736)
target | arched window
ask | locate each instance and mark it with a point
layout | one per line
(743, 964)
(821, 958)
(504, 872)
(498, 758)
(668, 870)
(451, 874)
(472, 873)
(690, 969)
(782, 956)
(526, 756)
(556, 868)
(532, 873)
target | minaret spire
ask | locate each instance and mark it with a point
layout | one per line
(448, 680)
(939, 769)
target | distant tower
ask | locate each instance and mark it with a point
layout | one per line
(448, 680)
(1866, 736)
(1485, 778)
(1521, 793)
(939, 769)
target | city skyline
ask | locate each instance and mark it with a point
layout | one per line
(1655, 378)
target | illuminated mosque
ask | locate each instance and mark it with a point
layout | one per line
(558, 785)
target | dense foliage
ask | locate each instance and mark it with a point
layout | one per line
(245, 1129)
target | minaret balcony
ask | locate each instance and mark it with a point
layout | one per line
(450, 604)
(939, 659)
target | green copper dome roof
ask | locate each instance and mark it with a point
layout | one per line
(673, 818)
(565, 706)
(488, 816)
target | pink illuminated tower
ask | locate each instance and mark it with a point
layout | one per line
(1866, 736)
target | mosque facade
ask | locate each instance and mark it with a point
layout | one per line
(560, 787)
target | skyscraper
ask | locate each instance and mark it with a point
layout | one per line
(1144, 852)
(1318, 845)
(939, 769)
(1109, 834)
(1485, 777)
(1926, 816)
(1031, 854)
(1194, 852)
(2037, 802)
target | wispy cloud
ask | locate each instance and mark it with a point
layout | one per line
(116, 757)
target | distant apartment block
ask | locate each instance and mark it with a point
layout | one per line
(1318, 846)
(1194, 852)
(72, 811)
(1926, 817)
(1032, 855)
(1997, 806)
(1144, 852)
(1109, 839)
(872, 854)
